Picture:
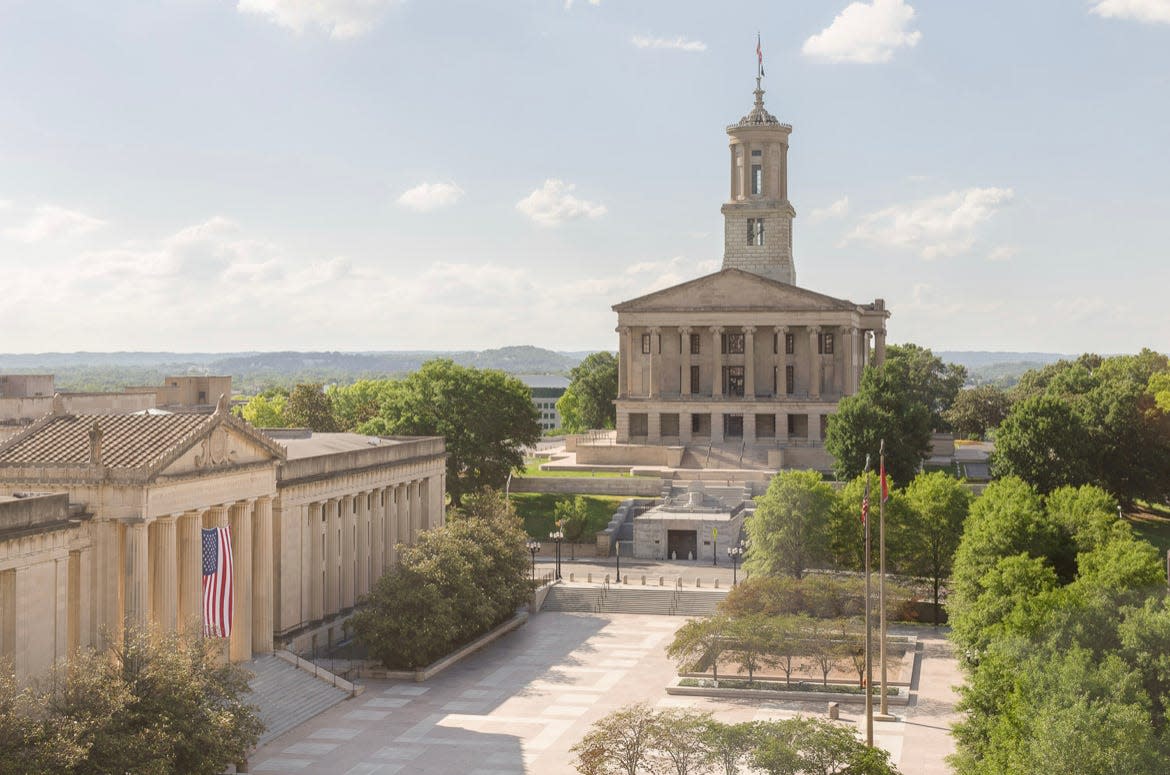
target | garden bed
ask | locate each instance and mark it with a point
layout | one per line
(807, 692)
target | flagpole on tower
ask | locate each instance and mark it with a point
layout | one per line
(868, 628)
(883, 493)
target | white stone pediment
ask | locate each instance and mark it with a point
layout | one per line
(222, 446)
(733, 289)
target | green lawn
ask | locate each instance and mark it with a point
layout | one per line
(532, 468)
(536, 509)
(1152, 522)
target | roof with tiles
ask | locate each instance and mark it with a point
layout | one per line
(127, 441)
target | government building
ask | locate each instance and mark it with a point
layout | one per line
(101, 512)
(740, 368)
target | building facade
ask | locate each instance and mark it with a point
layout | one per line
(314, 521)
(743, 356)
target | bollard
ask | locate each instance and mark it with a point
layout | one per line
(643, 581)
(716, 583)
(607, 578)
(571, 577)
(626, 580)
(661, 581)
(698, 583)
(834, 711)
(589, 578)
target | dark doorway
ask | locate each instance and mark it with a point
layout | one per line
(733, 426)
(681, 544)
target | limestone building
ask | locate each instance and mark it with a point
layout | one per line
(314, 520)
(741, 364)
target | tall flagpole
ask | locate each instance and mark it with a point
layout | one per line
(885, 711)
(868, 629)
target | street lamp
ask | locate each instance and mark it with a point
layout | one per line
(617, 553)
(557, 536)
(734, 553)
(533, 547)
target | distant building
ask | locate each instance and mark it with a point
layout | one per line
(546, 390)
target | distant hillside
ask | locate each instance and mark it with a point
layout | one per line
(998, 368)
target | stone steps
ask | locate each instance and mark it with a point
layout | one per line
(287, 696)
(634, 600)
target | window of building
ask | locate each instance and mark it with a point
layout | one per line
(639, 424)
(789, 380)
(775, 343)
(765, 426)
(696, 344)
(669, 424)
(775, 378)
(700, 425)
(789, 344)
(732, 344)
(757, 176)
(733, 426)
(695, 380)
(645, 344)
(755, 231)
(798, 426)
(733, 380)
(825, 344)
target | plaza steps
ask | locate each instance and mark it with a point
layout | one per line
(621, 599)
(288, 696)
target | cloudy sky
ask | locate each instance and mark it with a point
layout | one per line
(207, 175)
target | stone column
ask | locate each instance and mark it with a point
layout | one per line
(166, 574)
(781, 426)
(378, 536)
(655, 389)
(348, 549)
(749, 364)
(716, 427)
(393, 531)
(814, 426)
(653, 427)
(262, 586)
(241, 639)
(814, 363)
(847, 352)
(780, 359)
(684, 364)
(137, 558)
(315, 573)
(416, 511)
(191, 570)
(332, 556)
(879, 347)
(749, 427)
(717, 377)
(625, 359)
(362, 575)
(866, 336)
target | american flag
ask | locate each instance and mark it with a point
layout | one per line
(217, 582)
(865, 501)
(759, 54)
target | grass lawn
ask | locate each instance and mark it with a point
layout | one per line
(532, 468)
(536, 509)
(1151, 521)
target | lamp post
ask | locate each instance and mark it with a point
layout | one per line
(714, 546)
(533, 547)
(733, 554)
(557, 536)
(617, 553)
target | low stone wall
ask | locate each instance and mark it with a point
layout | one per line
(642, 486)
(626, 454)
(902, 698)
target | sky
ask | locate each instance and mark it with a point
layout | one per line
(223, 175)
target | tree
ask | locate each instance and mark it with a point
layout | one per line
(729, 744)
(927, 380)
(588, 402)
(680, 745)
(788, 637)
(620, 743)
(486, 417)
(890, 405)
(811, 746)
(847, 531)
(266, 411)
(356, 404)
(700, 642)
(455, 584)
(824, 648)
(572, 516)
(750, 645)
(978, 410)
(310, 407)
(788, 530)
(938, 508)
(1044, 443)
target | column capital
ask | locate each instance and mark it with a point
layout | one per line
(655, 329)
(684, 330)
(168, 519)
(749, 329)
(814, 329)
(716, 329)
(622, 329)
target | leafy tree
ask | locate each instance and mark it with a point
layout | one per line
(680, 745)
(356, 404)
(266, 411)
(788, 636)
(927, 380)
(310, 407)
(573, 518)
(486, 417)
(938, 507)
(847, 531)
(700, 642)
(620, 743)
(751, 642)
(729, 744)
(823, 647)
(456, 583)
(977, 411)
(890, 405)
(810, 746)
(788, 530)
(1043, 442)
(588, 401)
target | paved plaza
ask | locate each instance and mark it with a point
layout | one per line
(521, 703)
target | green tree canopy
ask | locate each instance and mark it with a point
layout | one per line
(938, 506)
(266, 411)
(588, 401)
(978, 410)
(486, 417)
(789, 529)
(308, 406)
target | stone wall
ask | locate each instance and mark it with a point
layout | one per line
(643, 486)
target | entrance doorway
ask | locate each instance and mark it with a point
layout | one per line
(681, 544)
(733, 426)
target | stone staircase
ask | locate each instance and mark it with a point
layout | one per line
(621, 599)
(288, 696)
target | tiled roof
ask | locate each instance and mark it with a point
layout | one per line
(128, 440)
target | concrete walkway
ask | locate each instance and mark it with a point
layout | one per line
(519, 705)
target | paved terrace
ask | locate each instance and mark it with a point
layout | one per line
(520, 704)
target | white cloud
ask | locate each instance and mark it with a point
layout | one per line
(431, 196)
(340, 18)
(938, 227)
(1148, 11)
(553, 204)
(569, 3)
(677, 44)
(865, 33)
(838, 209)
(1003, 253)
(51, 222)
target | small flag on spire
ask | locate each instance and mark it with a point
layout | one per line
(865, 501)
(885, 484)
(759, 54)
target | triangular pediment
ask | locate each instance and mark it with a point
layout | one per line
(733, 289)
(221, 445)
